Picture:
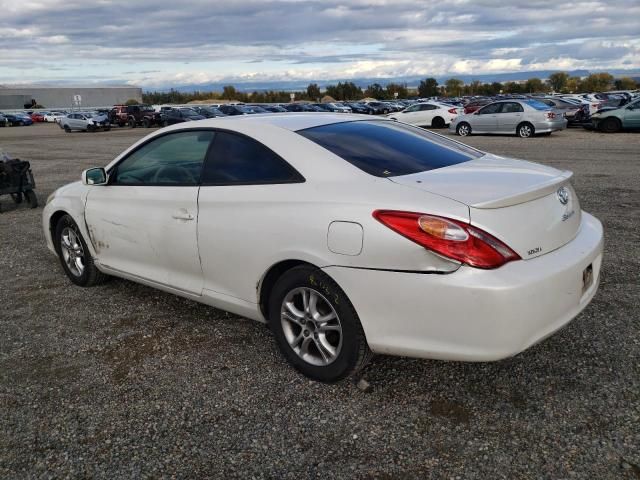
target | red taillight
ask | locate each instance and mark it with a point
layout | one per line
(450, 238)
(551, 115)
(453, 110)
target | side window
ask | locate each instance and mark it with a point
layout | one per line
(174, 159)
(491, 108)
(512, 107)
(413, 108)
(240, 160)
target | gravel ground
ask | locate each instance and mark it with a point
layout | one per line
(124, 381)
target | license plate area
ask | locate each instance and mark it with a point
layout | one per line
(587, 278)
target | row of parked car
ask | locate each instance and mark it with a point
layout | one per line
(522, 115)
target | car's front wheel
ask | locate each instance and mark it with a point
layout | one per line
(75, 257)
(316, 327)
(610, 125)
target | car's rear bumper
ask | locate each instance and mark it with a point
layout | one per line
(473, 314)
(560, 123)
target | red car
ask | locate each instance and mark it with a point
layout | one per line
(473, 106)
(37, 117)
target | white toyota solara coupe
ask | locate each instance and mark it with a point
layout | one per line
(348, 235)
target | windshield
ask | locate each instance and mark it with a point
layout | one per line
(387, 149)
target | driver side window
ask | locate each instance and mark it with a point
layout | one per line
(172, 160)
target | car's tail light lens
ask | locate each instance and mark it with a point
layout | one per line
(453, 110)
(551, 115)
(450, 238)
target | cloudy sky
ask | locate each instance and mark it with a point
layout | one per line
(178, 42)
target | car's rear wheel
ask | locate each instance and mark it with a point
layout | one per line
(132, 123)
(437, 122)
(525, 130)
(146, 123)
(463, 129)
(75, 257)
(316, 327)
(67, 128)
(610, 125)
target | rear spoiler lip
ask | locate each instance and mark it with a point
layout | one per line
(537, 191)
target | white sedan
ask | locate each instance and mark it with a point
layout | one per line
(348, 235)
(427, 114)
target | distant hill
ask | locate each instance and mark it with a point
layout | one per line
(413, 81)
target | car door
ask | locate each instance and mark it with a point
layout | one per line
(508, 117)
(485, 119)
(244, 184)
(144, 221)
(631, 117)
(425, 114)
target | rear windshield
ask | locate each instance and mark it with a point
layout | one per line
(537, 104)
(389, 149)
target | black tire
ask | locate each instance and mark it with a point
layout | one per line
(525, 130)
(165, 123)
(107, 128)
(610, 125)
(17, 197)
(67, 129)
(91, 128)
(146, 123)
(132, 123)
(437, 122)
(463, 129)
(354, 352)
(90, 275)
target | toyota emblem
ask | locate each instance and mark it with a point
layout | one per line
(563, 195)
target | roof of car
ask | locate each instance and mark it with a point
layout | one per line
(292, 121)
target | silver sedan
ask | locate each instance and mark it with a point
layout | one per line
(525, 118)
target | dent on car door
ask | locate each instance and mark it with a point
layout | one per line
(144, 221)
(244, 186)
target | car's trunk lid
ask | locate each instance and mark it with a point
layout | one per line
(521, 203)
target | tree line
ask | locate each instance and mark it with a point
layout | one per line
(559, 82)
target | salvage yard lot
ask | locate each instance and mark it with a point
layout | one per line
(126, 381)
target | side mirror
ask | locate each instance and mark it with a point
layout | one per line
(94, 176)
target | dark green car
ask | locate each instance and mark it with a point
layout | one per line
(626, 117)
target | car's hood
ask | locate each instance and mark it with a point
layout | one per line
(489, 181)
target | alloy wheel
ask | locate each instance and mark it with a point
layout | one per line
(311, 326)
(525, 131)
(72, 251)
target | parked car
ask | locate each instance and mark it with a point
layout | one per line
(84, 121)
(431, 114)
(301, 107)
(332, 107)
(37, 117)
(172, 116)
(570, 110)
(54, 116)
(135, 115)
(274, 108)
(475, 105)
(378, 107)
(207, 112)
(222, 203)
(612, 120)
(363, 108)
(525, 118)
(18, 119)
(234, 110)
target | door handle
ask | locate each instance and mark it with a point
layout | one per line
(182, 214)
